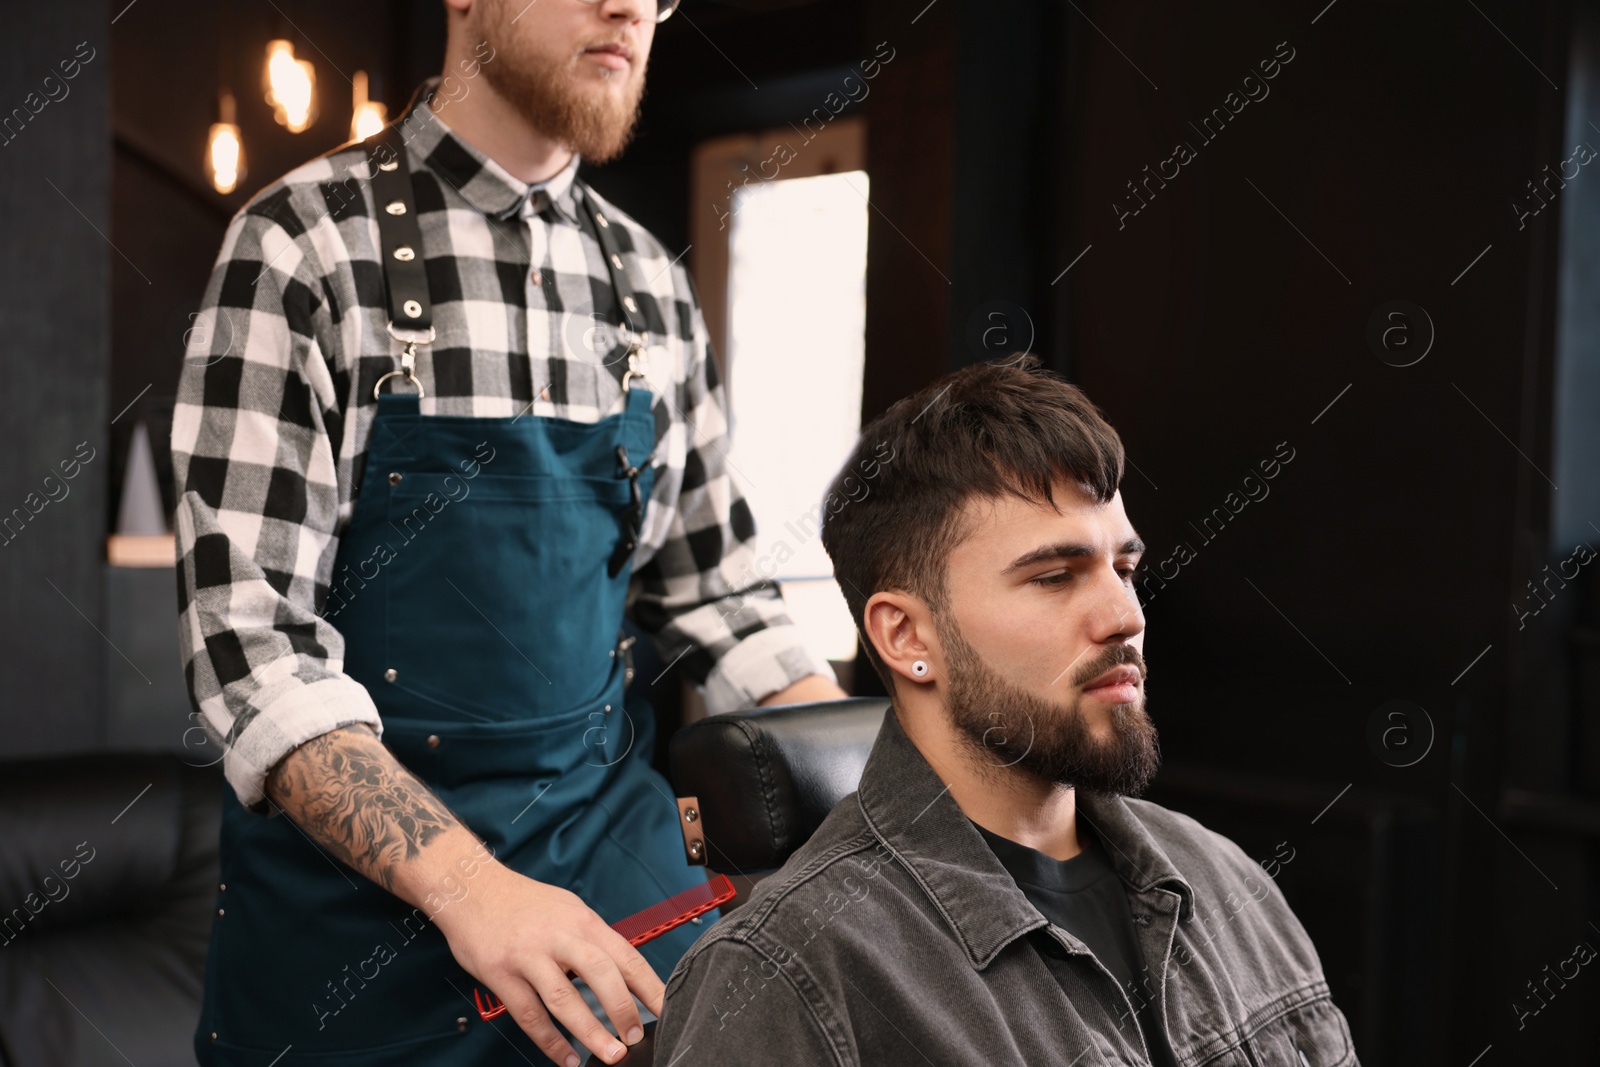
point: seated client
(992, 893)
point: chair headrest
(766, 778)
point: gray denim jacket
(894, 936)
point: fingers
(563, 1001)
(606, 979)
(636, 972)
(524, 1006)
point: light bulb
(225, 148)
(367, 117)
(291, 87)
(223, 156)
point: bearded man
(993, 892)
(454, 418)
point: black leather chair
(763, 781)
(766, 778)
(108, 868)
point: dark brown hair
(892, 515)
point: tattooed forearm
(350, 794)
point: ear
(900, 627)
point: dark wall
(1222, 318)
(56, 261)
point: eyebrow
(1068, 550)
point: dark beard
(597, 128)
(1006, 726)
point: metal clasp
(636, 365)
(408, 359)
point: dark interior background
(1442, 859)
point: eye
(1051, 580)
(1130, 573)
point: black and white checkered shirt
(275, 406)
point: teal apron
(480, 588)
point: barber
(451, 418)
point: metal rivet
(393, 164)
(220, 913)
(461, 1022)
(390, 675)
(628, 303)
(601, 219)
(412, 309)
(616, 261)
(695, 848)
(395, 207)
(536, 278)
(394, 477)
(213, 1035)
(433, 740)
(608, 709)
(222, 887)
(691, 814)
(404, 254)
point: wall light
(290, 86)
(224, 149)
(367, 117)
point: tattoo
(350, 793)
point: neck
(488, 121)
(1003, 800)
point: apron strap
(599, 227)
(399, 236)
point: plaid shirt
(275, 406)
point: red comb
(676, 910)
(642, 926)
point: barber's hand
(524, 938)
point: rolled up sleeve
(258, 505)
(700, 596)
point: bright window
(796, 324)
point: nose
(1115, 612)
(628, 10)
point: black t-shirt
(1085, 897)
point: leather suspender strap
(601, 230)
(399, 236)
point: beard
(1006, 726)
(551, 94)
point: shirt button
(536, 278)
(433, 740)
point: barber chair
(753, 786)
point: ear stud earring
(920, 668)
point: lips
(615, 48)
(1124, 675)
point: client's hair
(892, 515)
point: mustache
(1115, 656)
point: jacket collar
(482, 182)
(911, 811)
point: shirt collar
(482, 182)
(911, 811)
